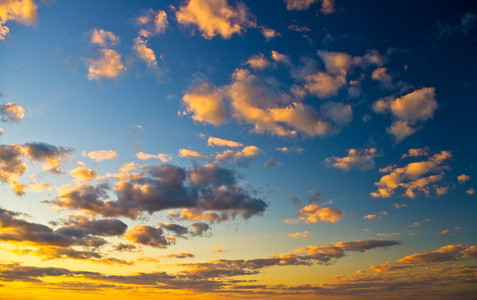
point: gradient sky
(223, 149)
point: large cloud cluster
(203, 188)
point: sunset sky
(223, 149)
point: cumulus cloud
(327, 6)
(257, 62)
(195, 215)
(11, 112)
(190, 153)
(242, 157)
(215, 17)
(204, 188)
(145, 53)
(269, 33)
(417, 152)
(463, 178)
(104, 38)
(108, 65)
(160, 156)
(148, 236)
(84, 174)
(153, 22)
(357, 159)
(279, 57)
(21, 11)
(100, 155)
(313, 213)
(408, 110)
(213, 141)
(449, 253)
(411, 177)
(206, 104)
(303, 234)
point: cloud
(207, 188)
(190, 153)
(291, 149)
(160, 156)
(12, 166)
(180, 255)
(271, 163)
(145, 53)
(375, 216)
(258, 62)
(443, 232)
(109, 65)
(195, 215)
(303, 234)
(411, 177)
(408, 110)
(357, 159)
(154, 22)
(449, 253)
(21, 11)
(470, 191)
(84, 174)
(463, 178)
(215, 17)
(416, 152)
(39, 187)
(280, 58)
(327, 6)
(11, 112)
(206, 104)
(467, 22)
(100, 155)
(148, 236)
(213, 141)
(269, 33)
(314, 213)
(104, 38)
(242, 157)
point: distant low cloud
(215, 17)
(21, 11)
(449, 253)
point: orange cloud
(215, 17)
(12, 112)
(100, 155)
(356, 159)
(21, 11)
(161, 156)
(213, 141)
(109, 65)
(206, 104)
(314, 213)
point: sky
(223, 149)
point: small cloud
(398, 206)
(219, 250)
(388, 234)
(443, 232)
(375, 216)
(190, 153)
(257, 62)
(356, 159)
(100, 155)
(463, 178)
(303, 234)
(470, 191)
(269, 33)
(291, 149)
(272, 163)
(213, 141)
(161, 156)
(11, 112)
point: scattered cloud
(213, 141)
(11, 112)
(463, 178)
(408, 110)
(160, 156)
(269, 33)
(303, 234)
(258, 62)
(84, 174)
(362, 159)
(411, 177)
(271, 163)
(100, 155)
(449, 253)
(190, 153)
(314, 213)
(215, 17)
(327, 6)
(21, 11)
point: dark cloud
(148, 236)
(272, 164)
(176, 228)
(165, 187)
(199, 228)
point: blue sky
(327, 144)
